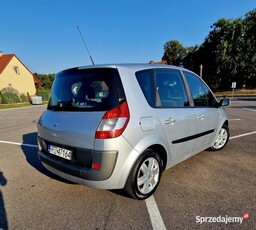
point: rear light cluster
(114, 122)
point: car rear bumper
(106, 159)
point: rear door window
(145, 79)
(84, 90)
(163, 88)
(170, 89)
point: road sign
(233, 86)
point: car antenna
(85, 45)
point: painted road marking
(243, 135)
(35, 146)
(20, 144)
(235, 119)
(253, 110)
(153, 211)
(154, 214)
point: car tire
(222, 139)
(145, 175)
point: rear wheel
(222, 138)
(144, 176)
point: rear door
(178, 119)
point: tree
(227, 40)
(46, 79)
(249, 48)
(188, 60)
(174, 52)
(227, 54)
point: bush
(9, 98)
(9, 95)
(23, 97)
(44, 94)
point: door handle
(170, 121)
(201, 117)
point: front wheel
(222, 138)
(144, 176)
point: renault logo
(54, 134)
(55, 123)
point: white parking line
(253, 110)
(235, 119)
(243, 135)
(154, 214)
(17, 143)
(153, 211)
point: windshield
(84, 90)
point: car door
(178, 119)
(207, 113)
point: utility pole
(201, 70)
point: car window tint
(170, 89)
(145, 79)
(201, 94)
(79, 90)
(209, 96)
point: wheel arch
(225, 123)
(161, 151)
(159, 145)
(154, 142)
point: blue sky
(43, 33)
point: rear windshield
(84, 90)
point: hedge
(44, 93)
(9, 98)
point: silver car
(120, 126)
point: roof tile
(4, 61)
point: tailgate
(76, 129)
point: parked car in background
(120, 126)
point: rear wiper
(62, 106)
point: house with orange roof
(13, 73)
(163, 62)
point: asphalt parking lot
(210, 184)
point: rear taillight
(113, 122)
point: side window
(201, 94)
(170, 89)
(16, 70)
(209, 96)
(145, 79)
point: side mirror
(224, 102)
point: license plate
(57, 151)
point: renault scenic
(120, 126)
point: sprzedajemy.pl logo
(222, 219)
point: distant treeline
(228, 53)
(46, 79)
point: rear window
(85, 90)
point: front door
(207, 113)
